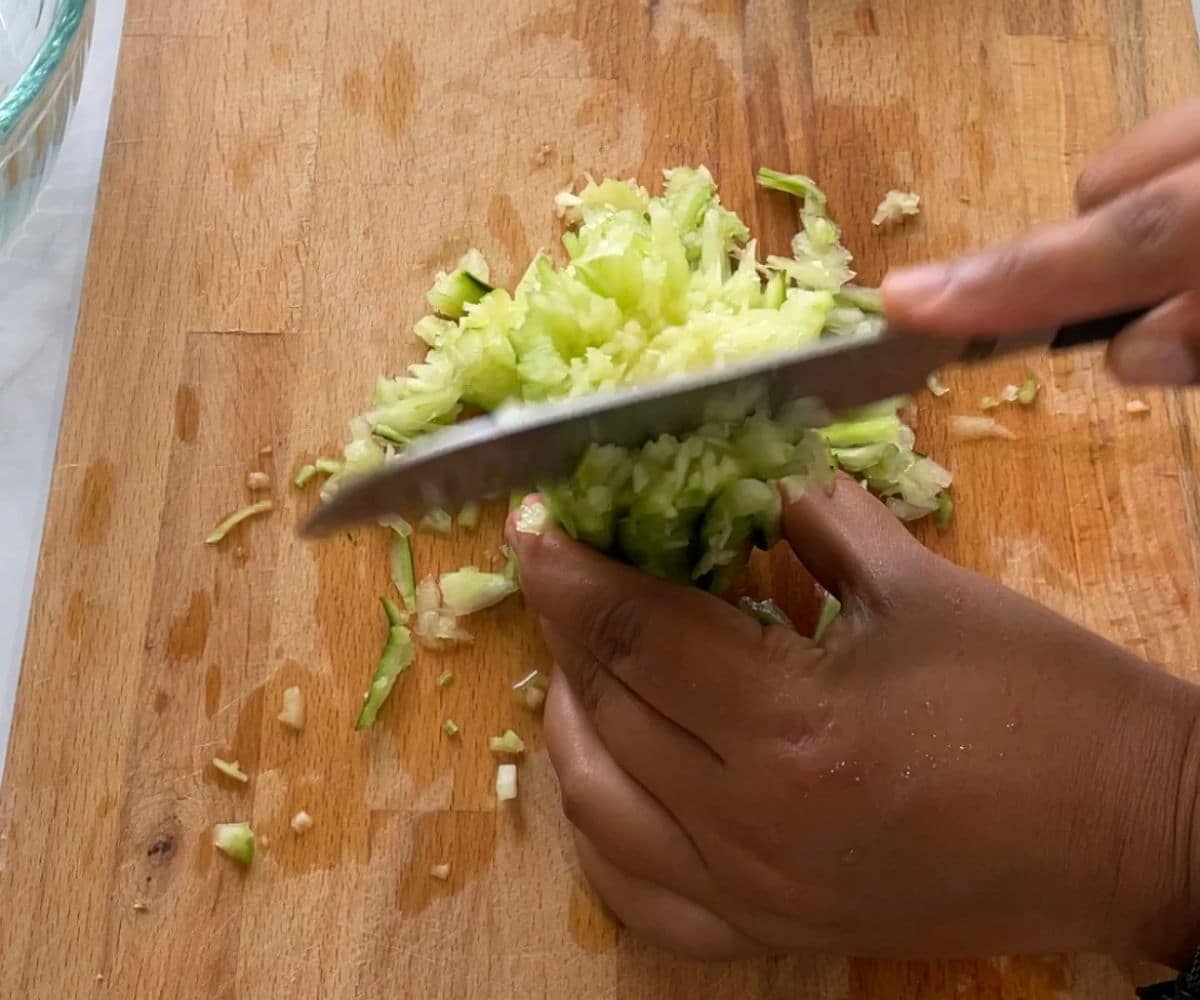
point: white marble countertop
(41, 272)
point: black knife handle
(1091, 330)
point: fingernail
(918, 283)
(1144, 360)
(513, 530)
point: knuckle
(888, 581)
(614, 629)
(1004, 267)
(781, 648)
(1089, 187)
(1147, 224)
(592, 683)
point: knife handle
(1089, 331)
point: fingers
(659, 915)
(1136, 250)
(850, 542)
(611, 809)
(1162, 348)
(675, 646)
(668, 760)
(1153, 147)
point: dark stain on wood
(161, 701)
(1033, 978)
(95, 504)
(437, 837)
(161, 849)
(390, 96)
(212, 689)
(247, 742)
(355, 86)
(397, 89)
(187, 413)
(504, 223)
(589, 923)
(864, 20)
(188, 633)
(76, 610)
(248, 153)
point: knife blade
(516, 448)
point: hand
(1134, 244)
(954, 771)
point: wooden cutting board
(282, 178)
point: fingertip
(1155, 361)
(528, 523)
(847, 539)
(1162, 348)
(909, 292)
(561, 576)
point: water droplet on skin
(907, 772)
(1011, 725)
(849, 857)
(858, 779)
(1002, 755)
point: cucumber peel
(396, 657)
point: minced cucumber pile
(654, 287)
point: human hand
(954, 771)
(1134, 244)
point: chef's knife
(517, 448)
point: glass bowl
(42, 48)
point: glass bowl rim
(26, 89)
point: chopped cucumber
(468, 590)
(653, 286)
(236, 840)
(465, 285)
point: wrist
(1159, 861)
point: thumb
(850, 542)
(609, 608)
(1163, 347)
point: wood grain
(281, 179)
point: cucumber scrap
(466, 284)
(236, 840)
(468, 590)
(396, 657)
(895, 206)
(236, 518)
